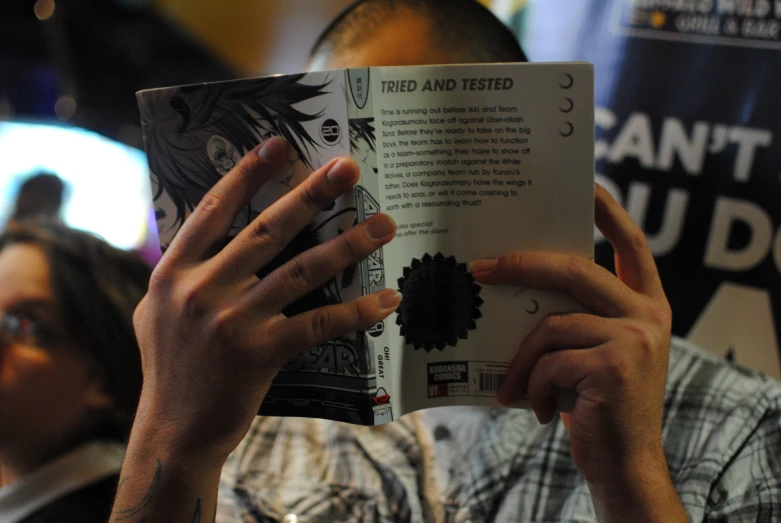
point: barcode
(490, 382)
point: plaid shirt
(722, 438)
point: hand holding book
(614, 358)
(212, 334)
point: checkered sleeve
(749, 489)
(722, 436)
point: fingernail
(503, 396)
(380, 227)
(341, 172)
(389, 298)
(273, 148)
(500, 397)
(486, 265)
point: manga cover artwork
(195, 134)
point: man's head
(414, 32)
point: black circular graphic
(440, 302)
(330, 131)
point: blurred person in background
(70, 371)
(40, 198)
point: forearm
(648, 497)
(159, 483)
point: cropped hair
(464, 27)
(96, 288)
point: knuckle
(321, 324)
(364, 313)
(195, 299)
(310, 195)
(661, 315)
(551, 322)
(637, 241)
(645, 341)
(348, 246)
(264, 231)
(514, 259)
(620, 369)
(138, 315)
(210, 204)
(224, 324)
(547, 360)
(160, 279)
(298, 274)
(578, 268)
(248, 165)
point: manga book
(471, 161)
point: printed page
(195, 134)
(476, 161)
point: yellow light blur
(44, 9)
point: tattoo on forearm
(147, 499)
(197, 513)
(133, 511)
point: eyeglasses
(18, 327)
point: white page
(466, 174)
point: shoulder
(722, 432)
(708, 387)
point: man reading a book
(660, 430)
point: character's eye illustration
(160, 214)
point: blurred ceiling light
(65, 108)
(44, 9)
(110, 196)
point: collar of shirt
(65, 474)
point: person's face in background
(49, 391)
(404, 39)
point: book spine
(363, 147)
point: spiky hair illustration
(178, 125)
(193, 133)
(361, 129)
(440, 302)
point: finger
(554, 333)
(634, 261)
(206, 227)
(592, 286)
(559, 374)
(263, 239)
(544, 409)
(310, 269)
(292, 335)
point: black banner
(689, 141)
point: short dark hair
(96, 288)
(465, 27)
(40, 197)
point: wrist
(173, 438)
(641, 491)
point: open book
(471, 161)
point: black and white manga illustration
(196, 134)
(469, 163)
